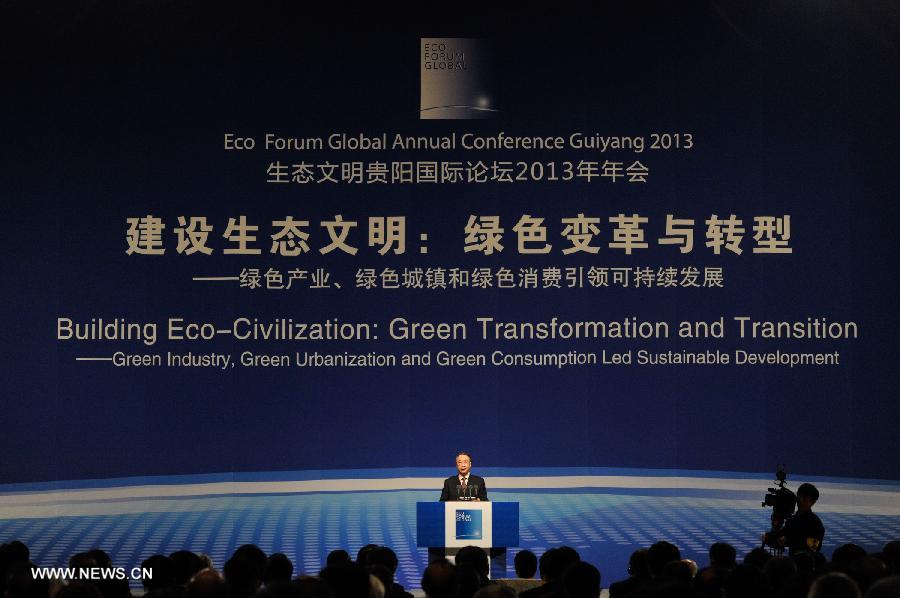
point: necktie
(464, 484)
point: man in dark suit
(464, 484)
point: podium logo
(457, 75)
(468, 524)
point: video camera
(783, 502)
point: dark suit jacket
(475, 488)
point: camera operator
(802, 531)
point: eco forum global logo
(457, 76)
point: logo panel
(457, 78)
(468, 524)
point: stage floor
(605, 524)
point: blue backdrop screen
(772, 116)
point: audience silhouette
(657, 571)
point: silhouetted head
(659, 555)
(866, 570)
(82, 560)
(15, 552)
(468, 581)
(243, 575)
(834, 585)
(525, 564)
(891, 555)
(162, 570)
(581, 580)
(638, 564)
(807, 495)
(887, 587)
(476, 558)
(11, 554)
(439, 580)
(336, 557)
(21, 582)
(758, 557)
(779, 571)
(207, 583)
(100, 557)
(384, 557)
(347, 580)
(845, 554)
(805, 561)
(553, 562)
(363, 553)
(254, 554)
(187, 564)
(722, 554)
(708, 582)
(278, 568)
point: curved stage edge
(604, 513)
